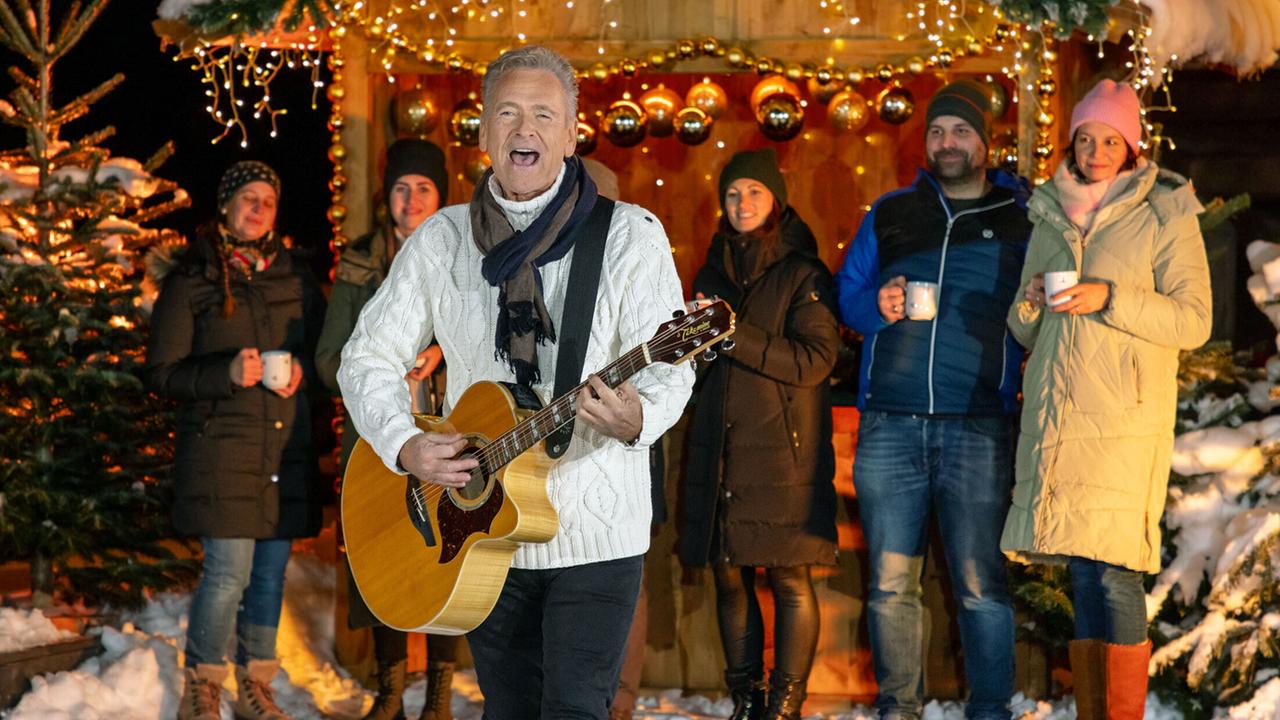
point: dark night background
(164, 100)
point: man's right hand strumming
(430, 457)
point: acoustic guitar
(433, 559)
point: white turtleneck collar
(522, 213)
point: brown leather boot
(202, 696)
(439, 692)
(1088, 677)
(1127, 680)
(256, 701)
(389, 703)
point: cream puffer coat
(1100, 390)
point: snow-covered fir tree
(85, 446)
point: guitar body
(430, 559)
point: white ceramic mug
(277, 369)
(1056, 282)
(922, 300)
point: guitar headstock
(680, 339)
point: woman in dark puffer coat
(758, 488)
(245, 467)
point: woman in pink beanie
(1100, 387)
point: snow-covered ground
(137, 677)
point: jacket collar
(1004, 186)
(1046, 203)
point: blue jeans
(1110, 602)
(552, 646)
(241, 583)
(961, 469)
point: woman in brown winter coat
(1100, 387)
(245, 467)
(758, 490)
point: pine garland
(250, 17)
(1067, 16)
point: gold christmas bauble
(895, 105)
(764, 66)
(855, 75)
(823, 92)
(475, 165)
(884, 72)
(916, 65)
(692, 126)
(1046, 87)
(657, 59)
(600, 72)
(1004, 151)
(780, 117)
(464, 123)
(686, 48)
(709, 46)
(337, 152)
(628, 67)
(337, 213)
(661, 105)
(624, 123)
(338, 181)
(736, 57)
(335, 92)
(848, 111)
(772, 85)
(456, 63)
(822, 75)
(416, 112)
(945, 58)
(1044, 151)
(586, 138)
(999, 99)
(794, 72)
(708, 97)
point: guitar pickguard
(458, 524)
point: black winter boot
(748, 693)
(786, 696)
(389, 703)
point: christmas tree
(1216, 604)
(85, 446)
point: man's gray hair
(533, 57)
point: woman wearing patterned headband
(245, 468)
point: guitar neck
(558, 413)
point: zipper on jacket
(871, 362)
(942, 268)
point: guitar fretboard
(556, 414)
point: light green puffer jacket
(1100, 390)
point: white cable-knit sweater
(600, 487)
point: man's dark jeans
(552, 647)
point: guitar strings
(524, 433)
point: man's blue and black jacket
(963, 362)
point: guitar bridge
(419, 515)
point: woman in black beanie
(758, 489)
(414, 185)
(246, 480)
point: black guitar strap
(579, 307)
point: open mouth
(524, 158)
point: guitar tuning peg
(693, 364)
(727, 345)
(708, 354)
(677, 313)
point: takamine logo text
(686, 333)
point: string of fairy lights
(414, 33)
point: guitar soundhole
(476, 486)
